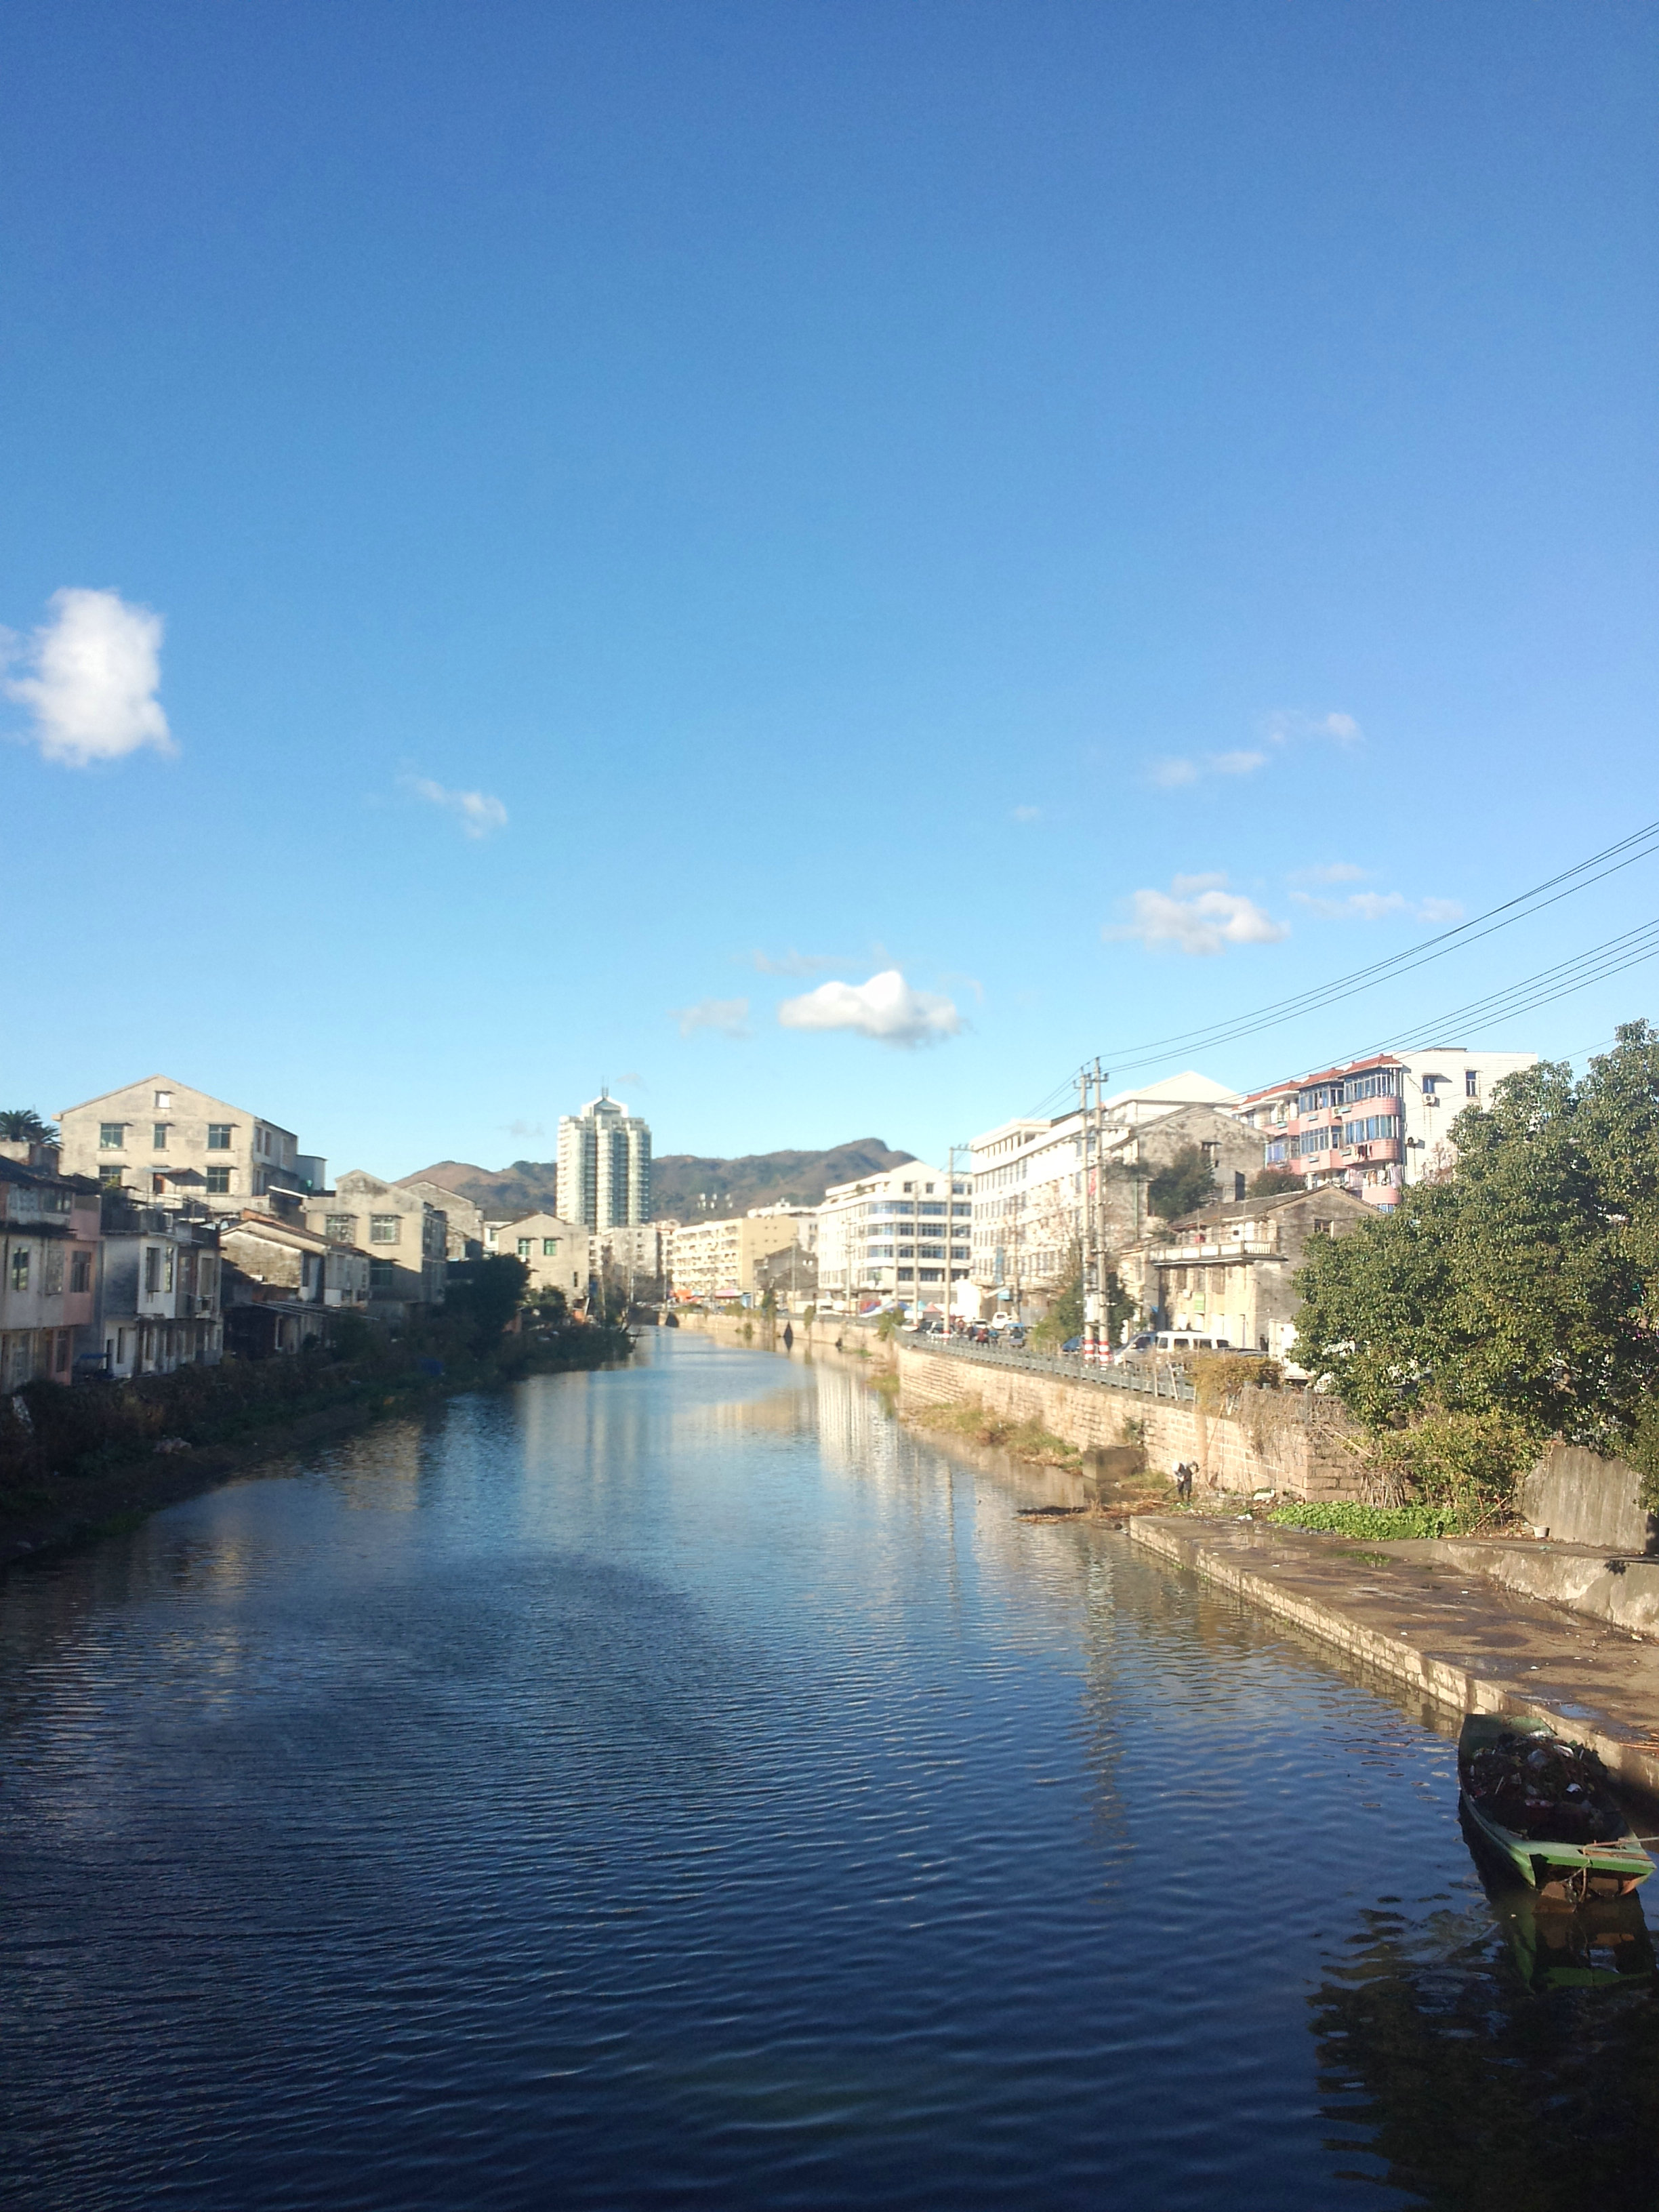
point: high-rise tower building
(604, 1165)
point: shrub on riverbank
(53, 1428)
(1384, 1523)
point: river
(682, 1786)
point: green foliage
(1064, 1319)
(1469, 1461)
(808, 1317)
(1388, 1523)
(1188, 1181)
(769, 1305)
(21, 1125)
(887, 1327)
(485, 1299)
(549, 1306)
(1519, 1284)
(1275, 1182)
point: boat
(1545, 1804)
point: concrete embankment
(1285, 1441)
(1428, 1620)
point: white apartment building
(903, 1236)
(710, 1259)
(604, 1165)
(1028, 1193)
(165, 1143)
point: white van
(1181, 1340)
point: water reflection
(1499, 2057)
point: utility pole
(1097, 1316)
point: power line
(1640, 845)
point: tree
(21, 1125)
(487, 1299)
(1518, 1284)
(1189, 1181)
(1275, 1182)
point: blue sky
(1106, 514)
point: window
(931, 1209)
(340, 1228)
(382, 1274)
(1274, 1151)
(111, 1136)
(163, 1102)
(1471, 1083)
(152, 1267)
(523, 1248)
(81, 1272)
(219, 1136)
(51, 1271)
(1238, 1188)
(159, 1137)
(908, 1188)
(109, 1178)
(20, 1267)
(383, 1228)
(907, 1274)
(550, 1246)
(932, 1275)
(218, 1179)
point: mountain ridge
(684, 1185)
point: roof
(14, 1171)
(1246, 1209)
(171, 1082)
(1187, 1089)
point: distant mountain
(527, 1187)
(684, 1185)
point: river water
(681, 1786)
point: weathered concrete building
(464, 1222)
(1028, 1199)
(718, 1259)
(163, 1142)
(556, 1252)
(404, 1235)
(158, 1304)
(49, 1232)
(1228, 1269)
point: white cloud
(1292, 722)
(1198, 917)
(476, 810)
(1378, 906)
(793, 963)
(1028, 814)
(96, 665)
(885, 1008)
(525, 1128)
(730, 1017)
(1176, 772)
(1336, 872)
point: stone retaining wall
(1291, 1443)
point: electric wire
(1640, 844)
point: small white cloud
(525, 1128)
(1198, 917)
(1183, 885)
(1176, 772)
(1378, 906)
(476, 810)
(1287, 723)
(793, 963)
(729, 1017)
(1028, 814)
(885, 1008)
(1336, 872)
(97, 666)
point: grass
(1027, 1440)
(1385, 1523)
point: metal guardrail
(1154, 1382)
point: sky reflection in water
(682, 1785)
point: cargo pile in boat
(1543, 1788)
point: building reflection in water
(1505, 2055)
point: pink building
(49, 1233)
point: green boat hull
(1618, 1861)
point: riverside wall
(1298, 1446)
